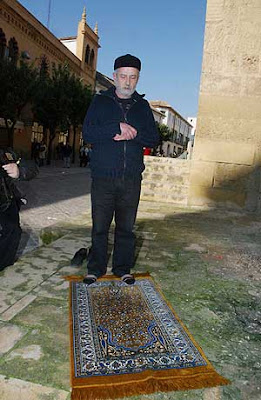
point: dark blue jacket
(112, 158)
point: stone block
(229, 129)
(251, 86)
(166, 179)
(218, 84)
(198, 196)
(250, 42)
(202, 196)
(215, 10)
(232, 107)
(202, 173)
(220, 35)
(212, 64)
(250, 10)
(225, 152)
(232, 177)
(250, 64)
(231, 63)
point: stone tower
(87, 45)
(227, 154)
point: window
(87, 54)
(92, 58)
(13, 50)
(2, 44)
(37, 133)
(63, 137)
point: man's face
(125, 80)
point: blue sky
(166, 35)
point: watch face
(9, 157)
(6, 157)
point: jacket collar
(111, 93)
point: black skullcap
(127, 61)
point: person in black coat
(118, 124)
(11, 169)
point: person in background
(83, 156)
(42, 154)
(147, 151)
(67, 151)
(118, 125)
(35, 151)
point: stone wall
(259, 199)
(227, 152)
(166, 180)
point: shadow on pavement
(55, 184)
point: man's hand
(127, 132)
(12, 170)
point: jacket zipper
(124, 144)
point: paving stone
(212, 394)
(16, 389)
(9, 336)
(32, 352)
(17, 307)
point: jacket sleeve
(27, 171)
(148, 135)
(95, 130)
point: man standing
(118, 124)
(67, 151)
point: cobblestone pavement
(207, 263)
(53, 196)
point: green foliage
(51, 100)
(17, 87)
(80, 97)
(49, 236)
(61, 100)
(164, 132)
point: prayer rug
(127, 340)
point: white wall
(193, 122)
(70, 44)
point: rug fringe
(76, 278)
(111, 392)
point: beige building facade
(21, 33)
(227, 150)
(178, 125)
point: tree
(80, 98)
(52, 101)
(165, 133)
(17, 88)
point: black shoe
(129, 279)
(89, 279)
(79, 257)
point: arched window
(92, 58)
(87, 54)
(13, 50)
(2, 44)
